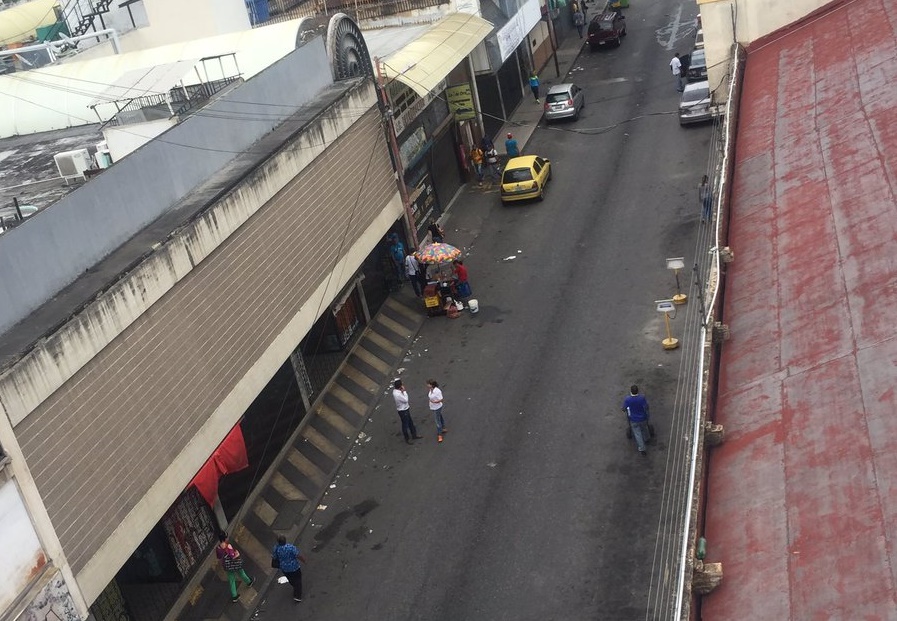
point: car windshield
(697, 58)
(557, 97)
(517, 175)
(693, 95)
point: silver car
(697, 104)
(564, 101)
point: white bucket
(473, 305)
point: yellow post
(669, 342)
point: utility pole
(553, 37)
(390, 127)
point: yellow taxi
(525, 177)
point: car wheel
(576, 115)
(541, 196)
(592, 48)
(617, 42)
(623, 34)
(549, 174)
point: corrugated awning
(156, 80)
(427, 61)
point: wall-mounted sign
(511, 34)
(460, 101)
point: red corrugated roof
(802, 497)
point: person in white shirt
(676, 66)
(412, 269)
(400, 395)
(434, 394)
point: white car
(697, 104)
(699, 39)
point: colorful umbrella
(434, 254)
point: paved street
(535, 506)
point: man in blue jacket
(636, 408)
(288, 556)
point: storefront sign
(516, 30)
(460, 101)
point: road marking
(672, 29)
(613, 80)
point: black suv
(608, 27)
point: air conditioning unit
(72, 164)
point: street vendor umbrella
(435, 254)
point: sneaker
(251, 582)
(407, 440)
(297, 599)
(644, 453)
(444, 430)
(417, 437)
(235, 599)
(439, 438)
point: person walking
(534, 85)
(232, 562)
(412, 270)
(434, 394)
(636, 408)
(676, 67)
(705, 195)
(579, 20)
(286, 557)
(476, 157)
(491, 157)
(511, 147)
(400, 396)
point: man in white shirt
(400, 396)
(676, 66)
(412, 269)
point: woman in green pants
(232, 561)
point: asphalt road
(536, 506)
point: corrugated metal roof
(57, 97)
(425, 62)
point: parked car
(524, 178)
(699, 38)
(697, 104)
(564, 101)
(696, 66)
(606, 27)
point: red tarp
(230, 456)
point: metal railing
(285, 10)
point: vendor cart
(437, 292)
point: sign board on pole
(460, 101)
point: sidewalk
(526, 117)
(284, 503)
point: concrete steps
(309, 463)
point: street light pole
(399, 168)
(554, 40)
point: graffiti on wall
(53, 603)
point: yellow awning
(20, 22)
(427, 61)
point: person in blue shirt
(511, 147)
(534, 85)
(288, 557)
(636, 408)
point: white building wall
(173, 21)
(744, 21)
